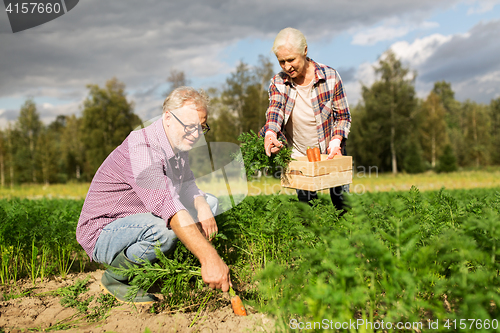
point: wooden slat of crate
(317, 183)
(316, 176)
(323, 167)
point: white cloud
(365, 75)
(48, 112)
(481, 6)
(374, 35)
(468, 61)
(139, 45)
(390, 30)
(420, 50)
(490, 77)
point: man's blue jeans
(139, 234)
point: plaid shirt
(329, 102)
(142, 175)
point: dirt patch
(43, 312)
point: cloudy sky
(140, 42)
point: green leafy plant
(179, 277)
(254, 157)
(73, 296)
(399, 257)
(396, 256)
(70, 295)
(38, 266)
(105, 303)
(64, 260)
(37, 237)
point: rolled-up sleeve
(276, 109)
(340, 107)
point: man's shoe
(117, 285)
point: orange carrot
(317, 154)
(238, 307)
(237, 304)
(310, 154)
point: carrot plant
(64, 259)
(38, 265)
(37, 237)
(178, 276)
(397, 257)
(254, 157)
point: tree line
(396, 131)
(392, 129)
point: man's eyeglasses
(190, 129)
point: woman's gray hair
(292, 37)
(182, 95)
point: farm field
(363, 181)
(424, 259)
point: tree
(454, 117)
(495, 130)
(245, 95)
(3, 154)
(476, 134)
(389, 107)
(10, 133)
(366, 152)
(236, 92)
(176, 79)
(47, 155)
(413, 160)
(263, 74)
(447, 161)
(447, 98)
(29, 127)
(73, 148)
(50, 158)
(222, 121)
(107, 119)
(433, 128)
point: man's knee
(213, 202)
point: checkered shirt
(329, 102)
(142, 175)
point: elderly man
(143, 193)
(308, 107)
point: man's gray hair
(292, 37)
(182, 95)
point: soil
(42, 313)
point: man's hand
(215, 273)
(271, 143)
(213, 270)
(208, 225)
(334, 148)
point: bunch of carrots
(313, 154)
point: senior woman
(307, 106)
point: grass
(53, 191)
(372, 181)
(429, 181)
(363, 181)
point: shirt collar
(162, 137)
(318, 74)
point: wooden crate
(316, 176)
